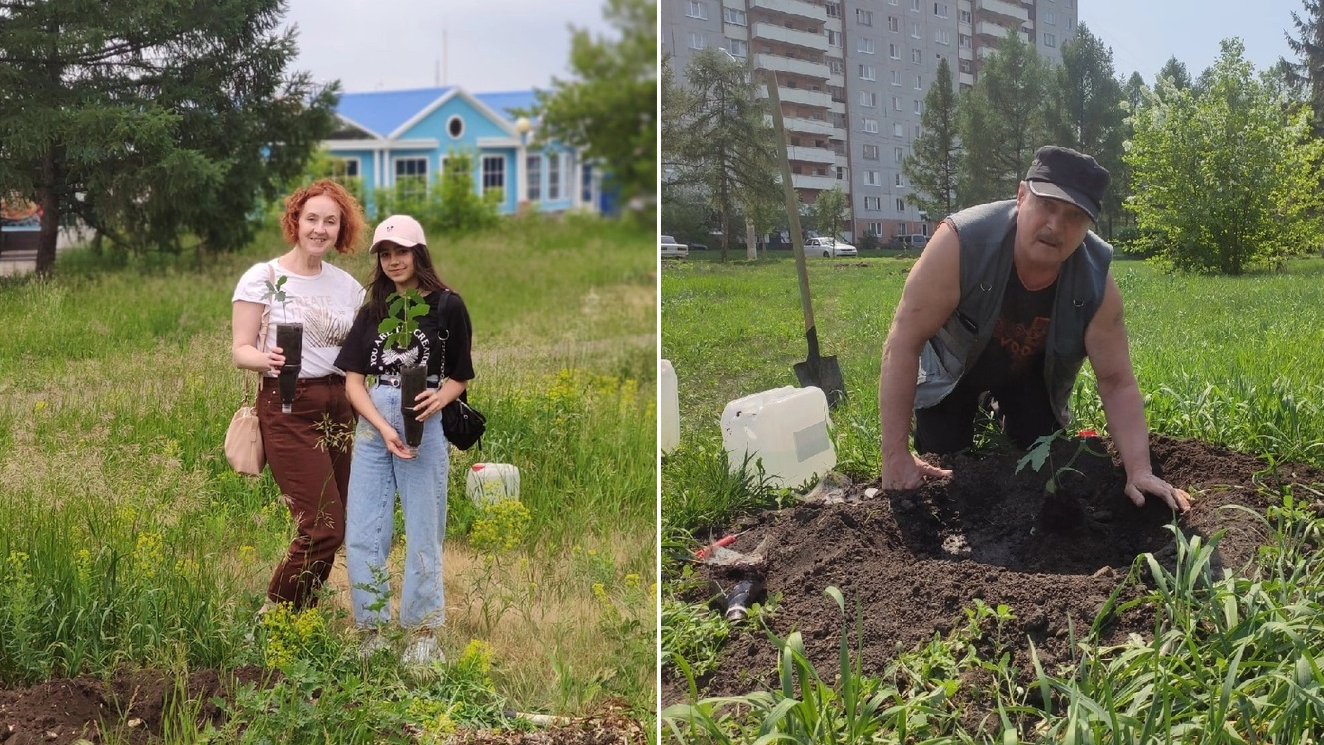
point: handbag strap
(261, 334)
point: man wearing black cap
(1006, 303)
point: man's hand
(1147, 483)
(908, 472)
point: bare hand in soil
(909, 472)
(1176, 499)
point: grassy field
(1232, 361)
(125, 540)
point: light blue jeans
(374, 479)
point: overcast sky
(491, 45)
(1143, 34)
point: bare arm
(929, 298)
(356, 390)
(1106, 345)
(245, 325)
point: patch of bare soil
(914, 560)
(135, 708)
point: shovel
(817, 370)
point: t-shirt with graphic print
(443, 335)
(1020, 335)
(324, 303)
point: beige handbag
(243, 439)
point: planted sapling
(403, 311)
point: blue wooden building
(401, 139)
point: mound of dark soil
(914, 560)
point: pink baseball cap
(401, 230)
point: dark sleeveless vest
(985, 268)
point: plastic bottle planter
(413, 380)
(289, 337)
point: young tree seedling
(404, 310)
(1042, 451)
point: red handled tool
(711, 548)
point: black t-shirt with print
(446, 326)
(1020, 335)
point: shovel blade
(824, 373)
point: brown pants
(308, 451)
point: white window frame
(735, 16)
(697, 9)
(533, 177)
(834, 38)
(554, 170)
(898, 129)
(919, 82)
(1050, 40)
(919, 106)
(900, 206)
(894, 51)
(423, 177)
(940, 10)
(896, 77)
(869, 125)
(899, 154)
(894, 24)
(868, 148)
(864, 45)
(698, 42)
(1050, 18)
(916, 56)
(868, 98)
(896, 103)
(867, 72)
(498, 172)
(871, 178)
(967, 17)
(341, 167)
(914, 31)
(942, 36)
(873, 203)
(864, 17)
(737, 47)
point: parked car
(671, 249)
(918, 240)
(828, 247)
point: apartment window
(870, 125)
(841, 172)
(697, 9)
(1071, 24)
(494, 172)
(1050, 40)
(963, 41)
(833, 10)
(896, 103)
(898, 154)
(917, 131)
(1050, 18)
(871, 179)
(866, 72)
(893, 51)
(871, 152)
(893, 2)
(554, 176)
(940, 10)
(868, 98)
(533, 175)
(735, 17)
(896, 77)
(697, 41)
(411, 178)
(914, 30)
(834, 38)
(919, 82)
(965, 17)
(966, 66)
(837, 119)
(919, 106)
(864, 45)
(873, 203)
(837, 93)
(737, 47)
(864, 17)
(893, 25)
(916, 56)
(942, 36)
(836, 67)
(914, 6)
(898, 130)
(900, 206)
(873, 228)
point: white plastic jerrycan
(786, 428)
(489, 483)
(668, 408)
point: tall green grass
(125, 539)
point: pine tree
(933, 168)
(152, 119)
(1308, 72)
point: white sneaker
(423, 651)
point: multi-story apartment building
(852, 76)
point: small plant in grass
(692, 632)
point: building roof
(383, 112)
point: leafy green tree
(829, 209)
(933, 168)
(1002, 121)
(721, 142)
(1307, 73)
(455, 205)
(1226, 178)
(1088, 113)
(151, 119)
(608, 111)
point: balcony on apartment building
(994, 31)
(807, 126)
(792, 8)
(803, 154)
(817, 99)
(1004, 9)
(791, 36)
(813, 183)
(816, 70)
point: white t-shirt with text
(324, 303)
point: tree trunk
(751, 248)
(50, 216)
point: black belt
(323, 380)
(393, 381)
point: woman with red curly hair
(307, 448)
